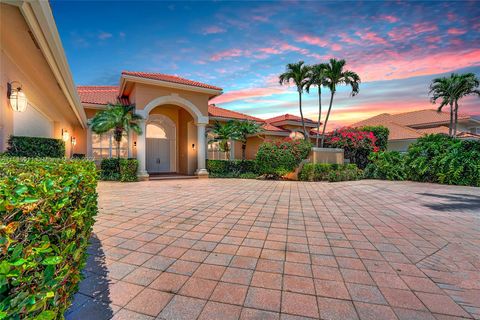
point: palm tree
(336, 75)
(317, 78)
(298, 73)
(119, 118)
(441, 88)
(464, 85)
(223, 133)
(244, 129)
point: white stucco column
(201, 150)
(141, 153)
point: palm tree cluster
(119, 118)
(450, 90)
(328, 75)
(234, 130)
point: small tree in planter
(223, 133)
(119, 118)
(242, 130)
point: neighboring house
(177, 114)
(405, 128)
(32, 58)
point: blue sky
(395, 47)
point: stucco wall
(399, 145)
(22, 61)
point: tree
(464, 85)
(335, 75)
(242, 130)
(223, 133)
(442, 88)
(297, 73)
(317, 78)
(119, 118)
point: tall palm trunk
(326, 119)
(456, 119)
(118, 138)
(305, 133)
(450, 128)
(244, 150)
(319, 114)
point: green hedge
(433, 158)
(329, 172)
(110, 169)
(47, 210)
(128, 170)
(35, 147)
(231, 168)
(278, 158)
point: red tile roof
(100, 94)
(288, 117)
(214, 111)
(169, 78)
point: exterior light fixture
(135, 143)
(17, 98)
(193, 146)
(74, 141)
(65, 135)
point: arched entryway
(160, 144)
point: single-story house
(405, 128)
(37, 93)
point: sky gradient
(397, 48)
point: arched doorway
(160, 144)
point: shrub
(230, 168)
(110, 169)
(442, 159)
(329, 172)
(128, 170)
(388, 165)
(47, 210)
(35, 147)
(78, 156)
(276, 159)
(381, 134)
(356, 143)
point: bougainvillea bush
(357, 144)
(47, 209)
(277, 158)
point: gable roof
(288, 117)
(217, 112)
(98, 94)
(169, 78)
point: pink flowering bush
(277, 158)
(358, 144)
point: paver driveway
(248, 249)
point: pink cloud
(336, 47)
(287, 47)
(433, 39)
(213, 30)
(424, 27)
(270, 50)
(403, 33)
(456, 31)
(315, 41)
(347, 39)
(389, 18)
(372, 37)
(248, 93)
(227, 54)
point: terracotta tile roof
(214, 111)
(288, 117)
(100, 95)
(440, 129)
(169, 78)
(270, 127)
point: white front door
(158, 155)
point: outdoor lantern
(74, 141)
(18, 100)
(193, 146)
(65, 135)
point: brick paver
(249, 249)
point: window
(296, 135)
(154, 131)
(105, 146)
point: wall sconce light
(65, 135)
(17, 98)
(135, 144)
(74, 141)
(193, 146)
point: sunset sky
(395, 47)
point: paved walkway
(248, 249)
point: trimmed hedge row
(329, 172)
(434, 158)
(35, 147)
(47, 209)
(231, 168)
(114, 169)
